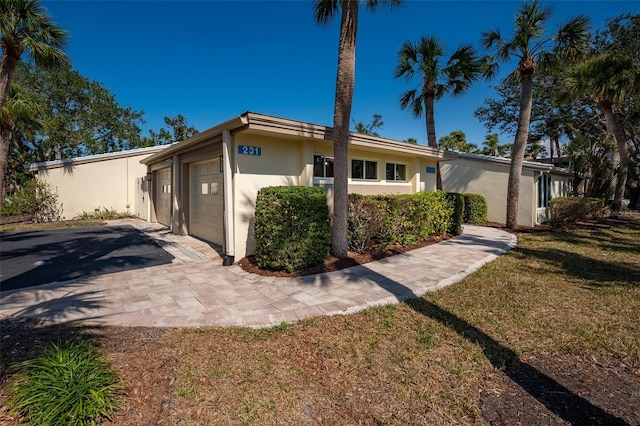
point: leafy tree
(25, 28)
(324, 11)
(533, 48)
(179, 130)
(412, 141)
(437, 75)
(457, 140)
(610, 79)
(81, 116)
(370, 128)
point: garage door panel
(162, 199)
(206, 202)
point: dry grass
(14, 227)
(424, 361)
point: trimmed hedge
(292, 227)
(569, 210)
(457, 200)
(475, 209)
(376, 221)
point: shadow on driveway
(34, 258)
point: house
(489, 176)
(115, 181)
(206, 186)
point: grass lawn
(546, 334)
(14, 227)
(556, 300)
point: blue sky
(213, 60)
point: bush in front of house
(103, 214)
(35, 198)
(292, 227)
(569, 210)
(457, 217)
(475, 209)
(375, 221)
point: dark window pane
(401, 172)
(372, 170)
(328, 167)
(318, 166)
(357, 169)
(390, 170)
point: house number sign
(249, 150)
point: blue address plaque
(431, 170)
(249, 150)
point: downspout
(227, 176)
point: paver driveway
(196, 290)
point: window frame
(364, 170)
(324, 166)
(395, 170)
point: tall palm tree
(25, 27)
(610, 79)
(324, 11)
(533, 49)
(438, 76)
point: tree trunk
(7, 70)
(5, 144)
(345, 81)
(519, 146)
(621, 157)
(429, 101)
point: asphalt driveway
(32, 258)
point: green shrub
(376, 221)
(66, 385)
(35, 198)
(292, 227)
(103, 214)
(475, 209)
(569, 210)
(457, 204)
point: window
(544, 191)
(362, 169)
(322, 166)
(396, 171)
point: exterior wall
(112, 183)
(289, 161)
(278, 165)
(490, 180)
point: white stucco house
(489, 176)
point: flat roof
(507, 162)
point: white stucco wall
(102, 181)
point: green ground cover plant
(104, 213)
(66, 385)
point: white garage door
(206, 202)
(162, 199)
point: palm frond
(325, 10)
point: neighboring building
(115, 181)
(206, 186)
(489, 176)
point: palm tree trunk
(519, 147)
(621, 158)
(429, 101)
(7, 70)
(5, 144)
(345, 81)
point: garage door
(206, 202)
(162, 200)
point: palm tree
(437, 77)
(534, 49)
(491, 145)
(25, 27)
(20, 110)
(324, 11)
(610, 79)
